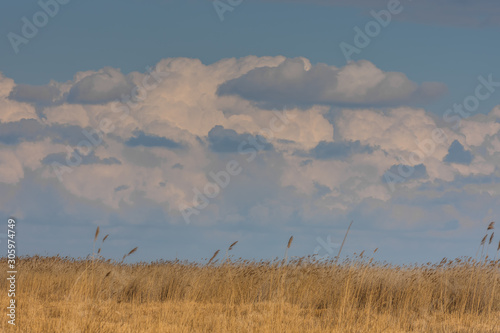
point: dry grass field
(58, 294)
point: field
(58, 294)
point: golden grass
(66, 295)
(56, 294)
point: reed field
(224, 294)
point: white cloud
(67, 114)
(184, 106)
(11, 169)
(11, 110)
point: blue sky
(212, 94)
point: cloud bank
(357, 84)
(115, 144)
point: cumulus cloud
(331, 150)
(145, 140)
(12, 110)
(47, 94)
(480, 128)
(31, 130)
(356, 84)
(317, 163)
(86, 88)
(22, 130)
(11, 168)
(419, 171)
(86, 159)
(103, 86)
(229, 141)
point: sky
(183, 126)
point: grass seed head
(131, 251)
(96, 234)
(215, 255)
(231, 246)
